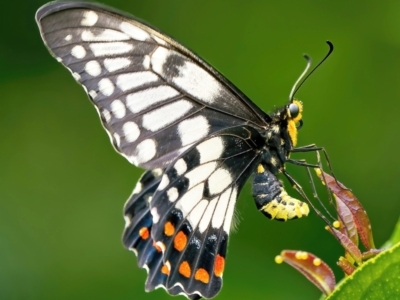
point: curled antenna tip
(303, 77)
(307, 58)
(330, 44)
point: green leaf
(395, 238)
(378, 278)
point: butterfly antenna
(294, 88)
(297, 86)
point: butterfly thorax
(268, 191)
(281, 136)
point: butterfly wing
(155, 98)
(163, 107)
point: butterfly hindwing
(137, 234)
(138, 226)
(155, 98)
(194, 204)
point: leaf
(378, 278)
(347, 244)
(359, 214)
(349, 227)
(395, 237)
(346, 266)
(312, 267)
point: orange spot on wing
(180, 241)
(219, 265)
(184, 269)
(144, 233)
(202, 275)
(165, 270)
(169, 229)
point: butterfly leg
(300, 190)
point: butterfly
(197, 136)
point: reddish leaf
(348, 199)
(347, 244)
(371, 253)
(346, 266)
(313, 268)
(349, 227)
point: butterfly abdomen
(272, 199)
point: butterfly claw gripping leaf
(198, 136)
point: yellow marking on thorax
(260, 169)
(292, 129)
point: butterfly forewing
(154, 96)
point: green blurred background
(62, 187)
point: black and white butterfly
(196, 134)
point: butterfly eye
(294, 110)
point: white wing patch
(106, 87)
(134, 32)
(220, 210)
(155, 215)
(116, 64)
(197, 213)
(89, 18)
(208, 214)
(197, 82)
(193, 79)
(230, 211)
(133, 80)
(200, 173)
(165, 115)
(193, 129)
(159, 58)
(180, 166)
(109, 49)
(216, 145)
(131, 131)
(173, 194)
(146, 62)
(219, 180)
(159, 41)
(141, 100)
(190, 199)
(164, 182)
(145, 150)
(104, 36)
(78, 52)
(118, 109)
(93, 68)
